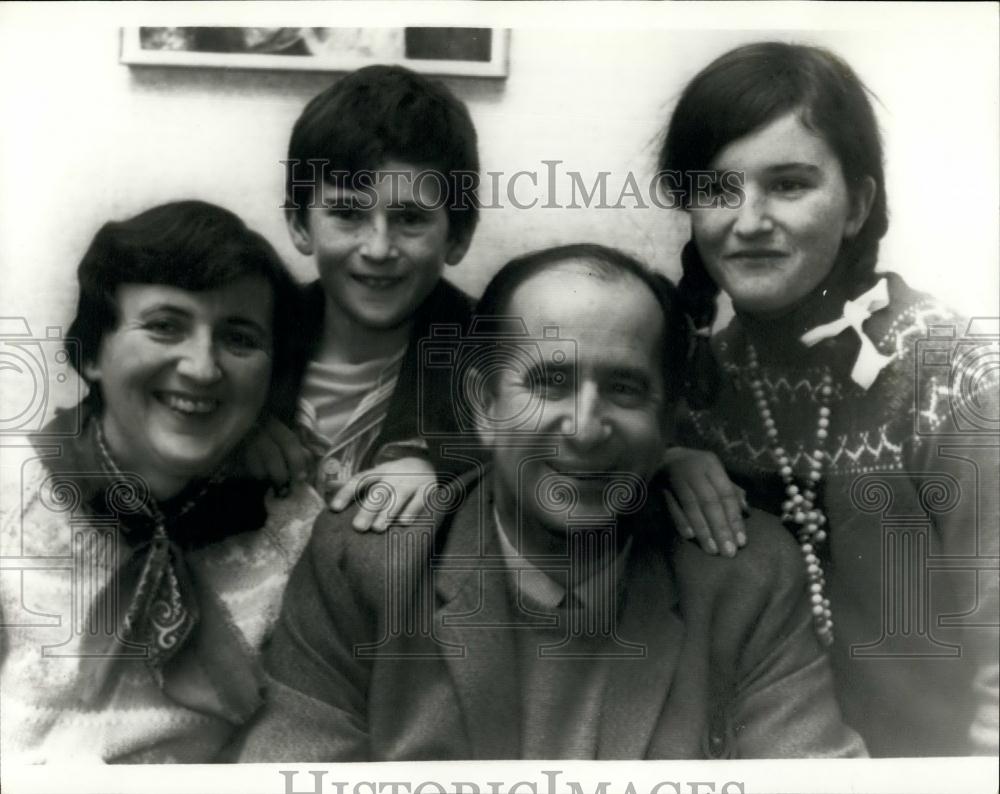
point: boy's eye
(240, 341)
(411, 218)
(344, 211)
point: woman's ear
(91, 371)
(298, 230)
(862, 199)
(458, 247)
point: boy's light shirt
(340, 446)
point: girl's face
(782, 240)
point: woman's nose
(753, 217)
(199, 361)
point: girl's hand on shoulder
(390, 493)
(703, 502)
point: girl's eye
(789, 185)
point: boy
(380, 180)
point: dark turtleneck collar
(778, 337)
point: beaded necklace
(800, 511)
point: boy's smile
(380, 249)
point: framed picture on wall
(469, 52)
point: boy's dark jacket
(422, 405)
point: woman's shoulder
(910, 317)
(249, 571)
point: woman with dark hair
(164, 568)
(811, 398)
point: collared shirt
(563, 667)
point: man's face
(602, 416)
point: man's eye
(548, 382)
(627, 392)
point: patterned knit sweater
(910, 493)
(56, 553)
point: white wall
(85, 139)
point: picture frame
(440, 51)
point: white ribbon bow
(869, 362)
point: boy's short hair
(381, 113)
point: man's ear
(457, 247)
(298, 230)
(862, 199)
(480, 402)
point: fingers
(731, 499)
(348, 492)
(297, 458)
(265, 461)
(678, 516)
(694, 520)
(384, 501)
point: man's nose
(199, 360)
(592, 427)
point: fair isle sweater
(910, 494)
(57, 553)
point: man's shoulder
(368, 560)
(769, 564)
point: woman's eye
(163, 327)
(789, 185)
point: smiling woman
(818, 401)
(185, 324)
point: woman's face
(183, 377)
(781, 242)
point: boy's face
(380, 243)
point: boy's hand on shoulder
(274, 453)
(393, 492)
(703, 502)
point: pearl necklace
(799, 510)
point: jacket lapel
(637, 689)
(470, 579)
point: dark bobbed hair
(746, 89)
(191, 245)
(609, 264)
(380, 113)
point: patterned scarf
(162, 610)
